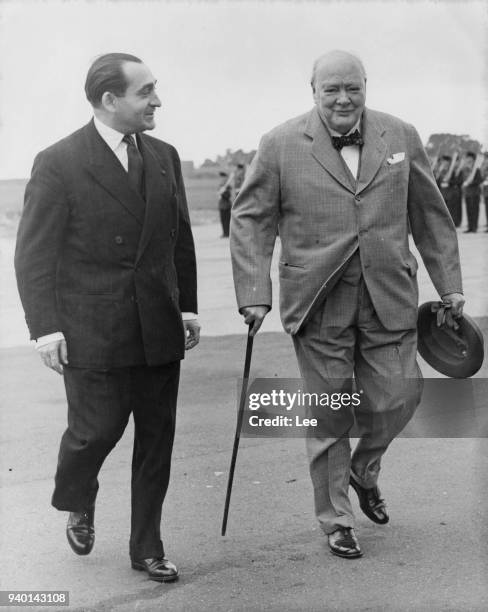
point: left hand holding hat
(453, 309)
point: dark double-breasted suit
(112, 270)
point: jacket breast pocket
(395, 171)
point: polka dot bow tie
(345, 141)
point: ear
(314, 92)
(109, 102)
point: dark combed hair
(471, 154)
(106, 74)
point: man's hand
(192, 333)
(55, 355)
(254, 316)
(454, 303)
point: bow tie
(346, 141)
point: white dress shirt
(350, 154)
(113, 138)
(114, 141)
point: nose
(155, 101)
(343, 97)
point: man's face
(134, 111)
(340, 93)
(469, 162)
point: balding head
(339, 89)
(337, 59)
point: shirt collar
(112, 137)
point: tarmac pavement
(431, 556)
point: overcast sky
(229, 71)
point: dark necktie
(346, 141)
(135, 164)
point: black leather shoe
(80, 531)
(343, 543)
(159, 569)
(371, 503)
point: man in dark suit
(225, 202)
(449, 182)
(106, 272)
(484, 185)
(471, 187)
(340, 185)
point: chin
(344, 126)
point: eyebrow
(335, 84)
(147, 87)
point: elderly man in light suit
(341, 184)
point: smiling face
(339, 91)
(134, 111)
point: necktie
(136, 164)
(345, 141)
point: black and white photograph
(244, 305)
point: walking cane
(240, 415)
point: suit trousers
(485, 198)
(342, 339)
(225, 221)
(472, 200)
(453, 199)
(99, 405)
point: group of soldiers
(463, 175)
(458, 176)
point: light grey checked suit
(346, 239)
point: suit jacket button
(357, 198)
(118, 240)
(172, 233)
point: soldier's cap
(454, 353)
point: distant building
(208, 163)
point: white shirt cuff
(188, 316)
(43, 340)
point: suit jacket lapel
(109, 173)
(324, 152)
(157, 193)
(373, 151)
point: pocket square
(395, 158)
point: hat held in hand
(453, 347)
